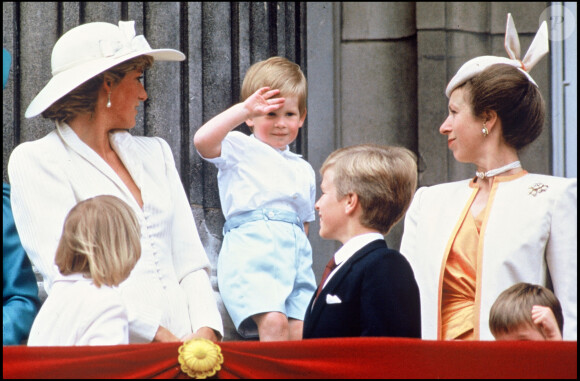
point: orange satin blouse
(459, 282)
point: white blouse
(253, 175)
(79, 313)
(170, 284)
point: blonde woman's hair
(513, 307)
(383, 177)
(83, 98)
(277, 73)
(100, 239)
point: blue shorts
(265, 265)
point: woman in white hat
(93, 98)
(467, 241)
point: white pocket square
(332, 299)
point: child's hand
(544, 318)
(260, 103)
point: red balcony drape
(318, 358)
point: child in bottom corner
(267, 196)
(526, 311)
(99, 247)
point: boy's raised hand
(208, 138)
(544, 318)
(262, 103)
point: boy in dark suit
(366, 190)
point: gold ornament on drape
(200, 358)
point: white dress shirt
(170, 284)
(253, 175)
(79, 313)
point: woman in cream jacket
(467, 241)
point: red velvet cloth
(317, 358)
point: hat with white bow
(88, 50)
(538, 49)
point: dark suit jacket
(379, 297)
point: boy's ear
(302, 118)
(350, 203)
(250, 122)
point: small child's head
(383, 177)
(100, 239)
(277, 73)
(512, 311)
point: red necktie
(327, 270)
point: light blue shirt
(253, 175)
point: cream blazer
(170, 284)
(528, 235)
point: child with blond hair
(99, 246)
(526, 312)
(369, 289)
(267, 195)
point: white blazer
(529, 235)
(170, 284)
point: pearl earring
(484, 130)
(109, 101)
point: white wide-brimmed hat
(88, 50)
(538, 49)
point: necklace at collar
(497, 171)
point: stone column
(379, 78)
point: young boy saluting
(526, 311)
(267, 195)
(372, 290)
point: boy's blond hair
(277, 73)
(383, 177)
(100, 239)
(513, 307)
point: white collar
(75, 277)
(285, 152)
(355, 244)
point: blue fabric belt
(262, 214)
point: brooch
(537, 188)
